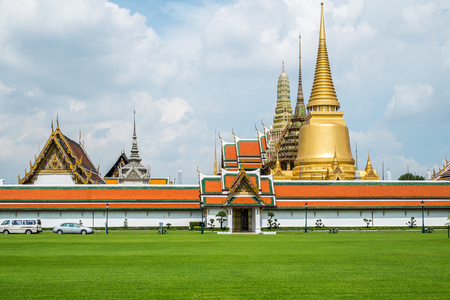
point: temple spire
(215, 154)
(134, 157)
(357, 172)
(369, 163)
(300, 106)
(323, 93)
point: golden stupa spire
(369, 163)
(323, 93)
(324, 139)
(215, 155)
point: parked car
(72, 228)
(27, 226)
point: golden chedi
(324, 144)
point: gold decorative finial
(369, 164)
(57, 122)
(52, 125)
(322, 24)
(323, 92)
(215, 155)
(282, 66)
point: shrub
(411, 223)
(319, 223)
(367, 222)
(273, 223)
(211, 223)
(168, 225)
(125, 223)
(193, 224)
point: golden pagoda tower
(324, 140)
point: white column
(230, 220)
(257, 218)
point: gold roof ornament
(215, 155)
(323, 92)
(369, 163)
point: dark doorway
(244, 219)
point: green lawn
(180, 264)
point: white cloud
(173, 109)
(4, 89)
(409, 100)
(75, 105)
(189, 67)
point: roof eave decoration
(242, 176)
(73, 166)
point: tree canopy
(410, 176)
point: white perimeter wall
(115, 218)
(347, 218)
(286, 218)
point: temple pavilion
(62, 161)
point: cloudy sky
(191, 68)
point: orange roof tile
(369, 203)
(129, 205)
(213, 186)
(361, 191)
(230, 152)
(55, 194)
(249, 148)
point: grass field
(181, 264)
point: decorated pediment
(243, 191)
(336, 174)
(62, 155)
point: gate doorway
(242, 220)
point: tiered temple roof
(134, 172)
(249, 154)
(288, 142)
(112, 177)
(237, 188)
(61, 157)
(444, 174)
(215, 190)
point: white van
(27, 226)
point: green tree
(367, 222)
(409, 176)
(221, 218)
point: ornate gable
(242, 191)
(61, 155)
(444, 174)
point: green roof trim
(362, 183)
(101, 200)
(101, 187)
